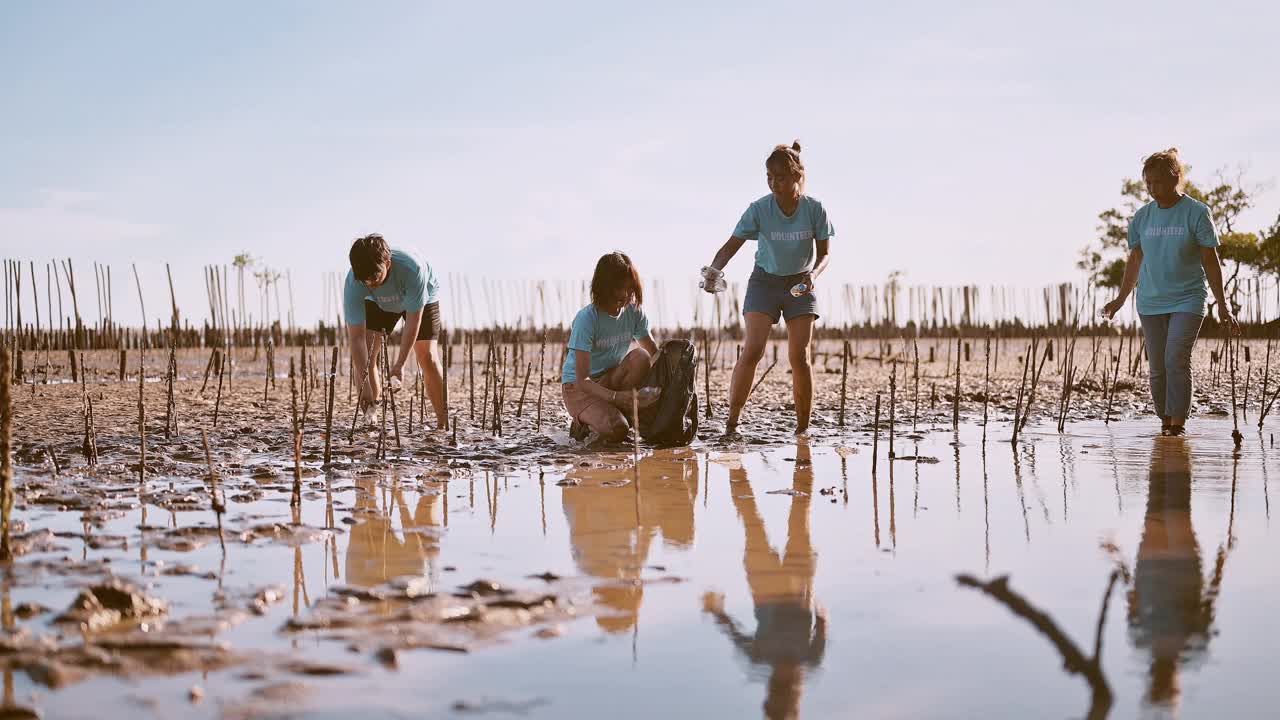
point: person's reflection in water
(1170, 608)
(611, 533)
(375, 553)
(791, 627)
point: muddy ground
(85, 499)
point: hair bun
(796, 146)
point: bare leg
(799, 333)
(425, 350)
(744, 371)
(373, 342)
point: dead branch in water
(1073, 659)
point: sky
(513, 142)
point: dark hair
(613, 272)
(786, 158)
(368, 255)
(1166, 161)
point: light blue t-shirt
(410, 285)
(1171, 278)
(784, 245)
(607, 338)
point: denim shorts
(771, 295)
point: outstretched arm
(1213, 271)
(1130, 281)
(726, 252)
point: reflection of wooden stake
(218, 506)
(875, 442)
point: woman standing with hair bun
(1173, 251)
(792, 232)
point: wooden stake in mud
(6, 455)
(915, 381)
(391, 388)
(296, 438)
(1017, 406)
(171, 402)
(706, 373)
(844, 379)
(875, 437)
(1236, 437)
(217, 403)
(142, 420)
(471, 371)
(986, 387)
(328, 415)
(542, 355)
(893, 401)
(1266, 377)
(955, 399)
(266, 378)
(213, 357)
(635, 431)
(524, 389)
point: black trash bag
(673, 419)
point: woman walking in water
(792, 232)
(1173, 250)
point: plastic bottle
(713, 279)
(799, 289)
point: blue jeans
(1170, 339)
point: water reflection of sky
(791, 582)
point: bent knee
(639, 356)
(799, 358)
(752, 354)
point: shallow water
(726, 583)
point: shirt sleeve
(432, 285)
(1202, 229)
(415, 283)
(583, 335)
(642, 324)
(822, 228)
(1134, 239)
(748, 227)
(353, 294)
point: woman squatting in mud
(598, 369)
